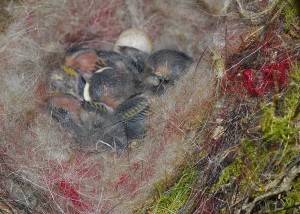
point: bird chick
(61, 82)
(84, 60)
(136, 59)
(134, 62)
(111, 87)
(133, 114)
(125, 59)
(120, 75)
(169, 64)
(93, 128)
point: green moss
(277, 128)
(258, 159)
(291, 13)
(245, 169)
(292, 98)
(231, 172)
(292, 200)
(172, 200)
(282, 128)
(293, 196)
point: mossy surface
(291, 13)
(292, 200)
(260, 161)
(292, 18)
(173, 199)
(278, 119)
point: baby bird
(111, 87)
(82, 63)
(61, 82)
(83, 60)
(133, 114)
(93, 127)
(88, 60)
(136, 59)
(169, 64)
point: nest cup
(40, 163)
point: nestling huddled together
(103, 97)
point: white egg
(136, 38)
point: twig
(276, 188)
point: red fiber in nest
(67, 177)
(271, 76)
(258, 67)
(126, 178)
(70, 192)
(257, 82)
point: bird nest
(221, 138)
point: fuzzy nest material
(223, 139)
(44, 167)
